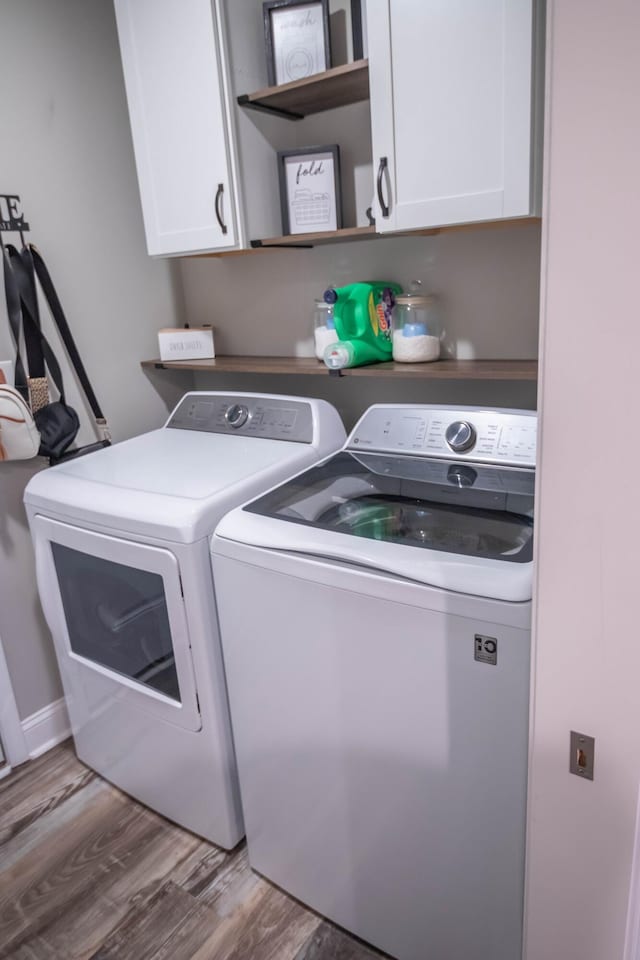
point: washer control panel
(271, 418)
(477, 434)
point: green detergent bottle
(362, 315)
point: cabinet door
(452, 110)
(175, 90)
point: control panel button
(460, 435)
(236, 415)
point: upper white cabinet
(453, 111)
(175, 76)
(454, 118)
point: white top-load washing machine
(375, 623)
(122, 553)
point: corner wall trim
(46, 728)
(632, 937)
(14, 745)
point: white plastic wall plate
(7, 368)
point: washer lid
(461, 527)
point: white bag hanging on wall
(19, 437)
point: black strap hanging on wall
(57, 422)
(65, 333)
(39, 351)
(21, 267)
(14, 313)
(13, 221)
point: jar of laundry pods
(416, 328)
(324, 328)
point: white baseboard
(46, 728)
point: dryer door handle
(44, 581)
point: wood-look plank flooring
(86, 873)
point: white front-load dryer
(124, 576)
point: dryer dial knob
(460, 436)
(236, 415)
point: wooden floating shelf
(337, 87)
(347, 234)
(438, 370)
(317, 239)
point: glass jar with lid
(324, 328)
(416, 327)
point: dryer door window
(119, 622)
(117, 617)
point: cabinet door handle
(382, 166)
(223, 226)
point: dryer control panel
(271, 418)
(472, 433)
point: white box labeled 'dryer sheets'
(186, 343)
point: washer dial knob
(236, 415)
(461, 475)
(460, 436)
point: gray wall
(486, 281)
(66, 150)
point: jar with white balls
(324, 327)
(416, 329)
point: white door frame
(12, 736)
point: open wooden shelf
(317, 239)
(336, 87)
(347, 234)
(439, 370)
